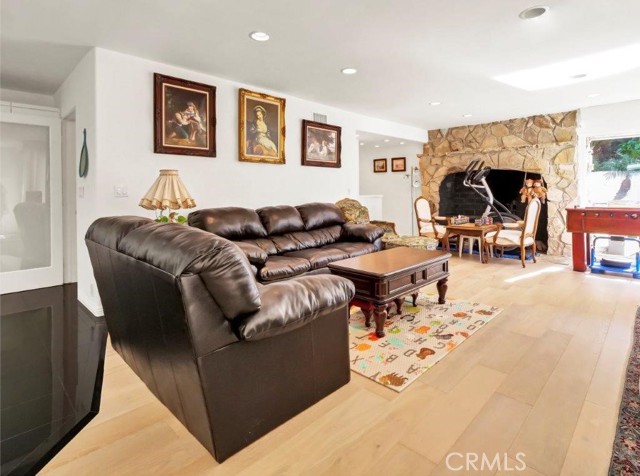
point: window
(614, 178)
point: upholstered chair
(356, 212)
(523, 237)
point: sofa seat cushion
(355, 249)
(288, 305)
(283, 267)
(320, 257)
(264, 244)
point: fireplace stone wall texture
(543, 144)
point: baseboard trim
(95, 307)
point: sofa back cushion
(232, 223)
(280, 220)
(320, 215)
(182, 250)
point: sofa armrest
(256, 255)
(288, 305)
(364, 232)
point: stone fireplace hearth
(543, 144)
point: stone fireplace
(543, 145)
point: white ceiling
(371, 141)
(407, 52)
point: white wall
(118, 96)
(125, 110)
(23, 97)
(78, 93)
(398, 194)
(610, 120)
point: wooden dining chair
(429, 225)
(523, 237)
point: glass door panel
(30, 202)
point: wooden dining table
(469, 229)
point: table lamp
(168, 193)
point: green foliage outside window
(615, 155)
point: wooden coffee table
(384, 277)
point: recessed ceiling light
(593, 95)
(533, 12)
(259, 36)
(349, 70)
(401, 143)
(361, 143)
(386, 140)
(376, 146)
(467, 115)
(434, 103)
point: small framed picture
(261, 128)
(399, 164)
(379, 165)
(185, 117)
(320, 144)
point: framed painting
(379, 165)
(321, 144)
(399, 164)
(185, 117)
(262, 129)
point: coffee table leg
(380, 315)
(415, 299)
(398, 302)
(367, 316)
(442, 290)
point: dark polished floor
(51, 366)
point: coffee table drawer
(432, 272)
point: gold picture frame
(262, 133)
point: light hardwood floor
(544, 378)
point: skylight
(575, 70)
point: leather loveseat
(230, 357)
(284, 241)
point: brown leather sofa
(284, 241)
(230, 357)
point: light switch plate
(120, 191)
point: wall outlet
(120, 191)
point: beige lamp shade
(167, 191)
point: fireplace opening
(456, 199)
